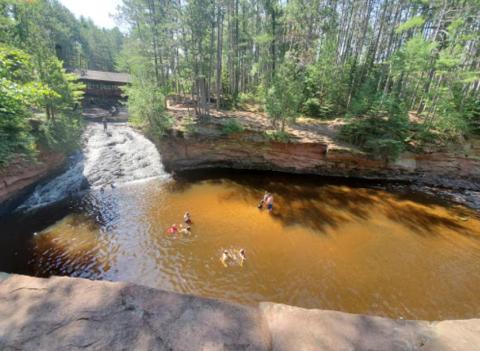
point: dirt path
(305, 130)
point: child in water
(263, 200)
(225, 258)
(186, 230)
(243, 257)
(233, 257)
(186, 218)
(173, 229)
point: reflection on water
(329, 246)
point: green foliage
(146, 106)
(248, 98)
(382, 132)
(283, 99)
(472, 113)
(312, 107)
(413, 22)
(62, 134)
(21, 90)
(278, 136)
(64, 89)
(232, 126)
(189, 126)
(15, 99)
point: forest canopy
(374, 61)
(39, 100)
(394, 71)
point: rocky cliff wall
(20, 177)
(209, 148)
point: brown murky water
(328, 246)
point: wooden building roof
(103, 76)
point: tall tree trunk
(219, 54)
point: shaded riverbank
(64, 313)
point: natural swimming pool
(328, 244)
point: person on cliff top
(187, 218)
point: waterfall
(107, 159)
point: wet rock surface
(62, 313)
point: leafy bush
(146, 105)
(246, 98)
(16, 98)
(278, 135)
(227, 102)
(62, 134)
(383, 138)
(312, 107)
(232, 126)
(188, 125)
(472, 115)
(282, 101)
(382, 132)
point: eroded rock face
(20, 176)
(250, 150)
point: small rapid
(113, 158)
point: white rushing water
(107, 159)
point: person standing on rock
(104, 120)
(187, 218)
(269, 202)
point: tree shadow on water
(319, 203)
(320, 206)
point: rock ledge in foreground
(62, 313)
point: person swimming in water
(172, 229)
(243, 257)
(263, 200)
(233, 257)
(186, 230)
(225, 258)
(187, 218)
